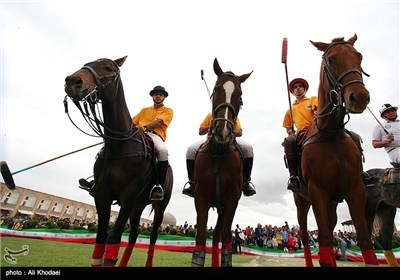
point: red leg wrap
(215, 255)
(150, 255)
(200, 247)
(326, 256)
(127, 254)
(369, 257)
(112, 252)
(98, 251)
(307, 257)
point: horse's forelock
(339, 39)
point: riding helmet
(298, 80)
(386, 107)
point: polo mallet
(284, 60)
(202, 77)
(8, 176)
(384, 129)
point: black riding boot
(190, 171)
(293, 183)
(157, 192)
(87, 186)
(248, 188)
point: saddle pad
(392, 176)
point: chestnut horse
(218, 177)
(331, 161)
(383, 199)
(125, 168)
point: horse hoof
(109, 263)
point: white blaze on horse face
(229, 88)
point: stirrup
(249, 189)
(189, 191)
(154, 188)
(293, 184)
(86, 185)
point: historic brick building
(30, 202)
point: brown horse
(383, 199)
(125, 168)
(218, 175)
(331, 161)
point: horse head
(90, 81)
(341, 67)
(226, 103)
(101, 80)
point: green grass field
(43, 253)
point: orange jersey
(303, 113)
(150, 114)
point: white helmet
(386, 107)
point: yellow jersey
(150, 114)
(303, 113)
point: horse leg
(158, 217)
(114, 239)
(356, 203)
(134, 223)
(215, 241)
(199, 256)
(199, 252)
(386, 216)
(226, 235)
(98, 253)
(325, 213)
(103, 213)
(226, 254)
(303, 207)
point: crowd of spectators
(284, 238)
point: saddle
(392, 175)
(148, 148)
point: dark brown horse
(125, 168)
(331, 161)
(218, 175)
(383, 199)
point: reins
(91, 111)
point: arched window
(25, 200)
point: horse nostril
(73, 81)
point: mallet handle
(384, 129)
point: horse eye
(108, 69)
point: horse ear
(353, 39)
(120, 61)
(217, 68)
(244, 77)
(320, 46)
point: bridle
(222, 105)
(91, 111)
(336, 100)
